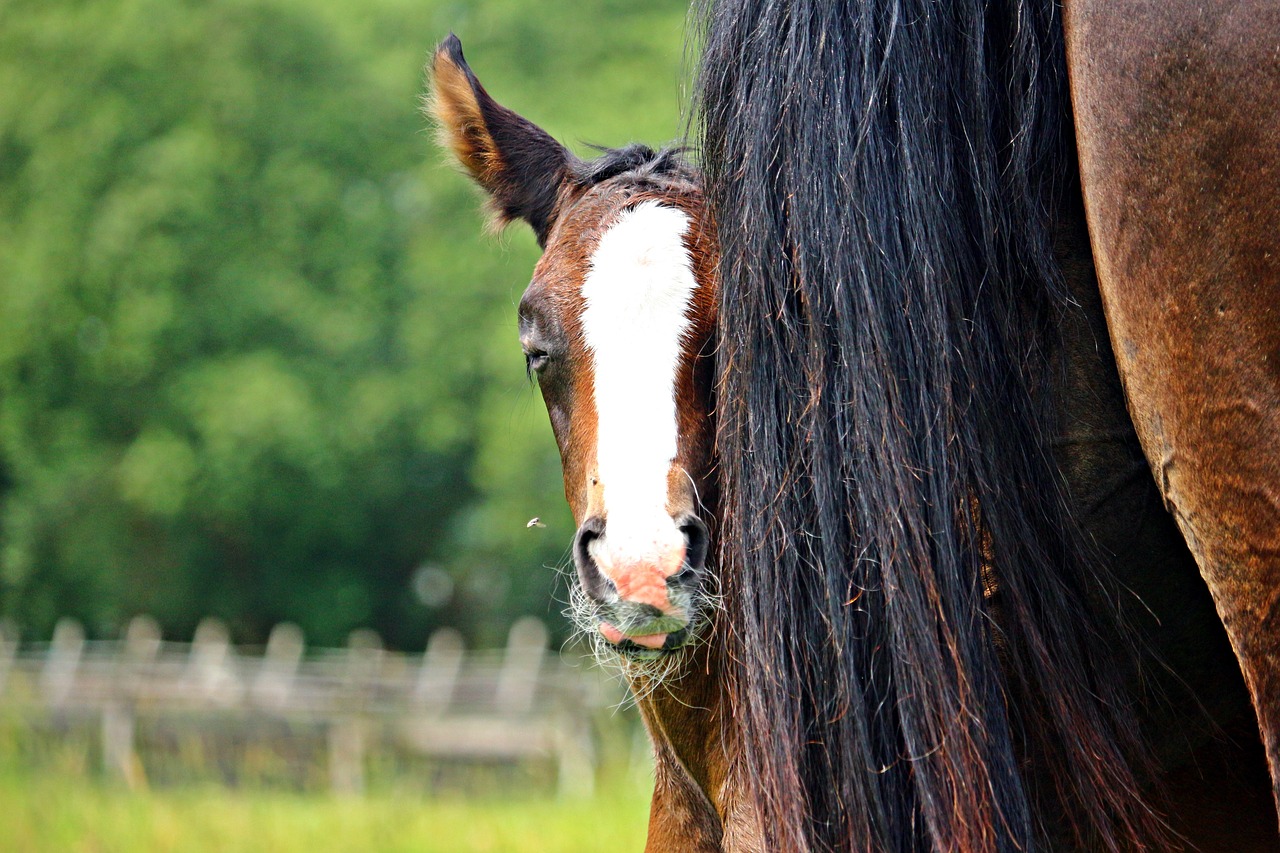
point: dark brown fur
(1178, 118)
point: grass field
(53, 797)
(56, 812)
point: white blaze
(637, 295)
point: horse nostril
(697, 541)
(594, 583)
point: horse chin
(638, 632)
(673, 644)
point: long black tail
(918, 668)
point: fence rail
(519, 703)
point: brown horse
(618, 325)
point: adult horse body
(920, 427)
(896, 200)
(1181, 176)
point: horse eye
(535, 361)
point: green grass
(56, 811)
(54, 797)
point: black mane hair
(917, 659)
(635, 160)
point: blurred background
(258, 361)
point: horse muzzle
(644, 597)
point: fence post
(8, 650)
(210, 667)
(439, 674)
(58, 676)
(119, 721)
(279, 666)
(347, 731)
(521, 666)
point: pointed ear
(514, 160)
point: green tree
(256, 358)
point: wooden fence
(521, 703)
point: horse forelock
(880, 176)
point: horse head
(617, 327)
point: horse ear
(514, 160)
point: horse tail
(908, 597)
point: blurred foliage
(257, 356)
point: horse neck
(704, 797)
(684, 714)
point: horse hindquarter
(1176, 107)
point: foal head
(616, 326)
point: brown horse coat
(1177, 110)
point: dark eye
(534, 361)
